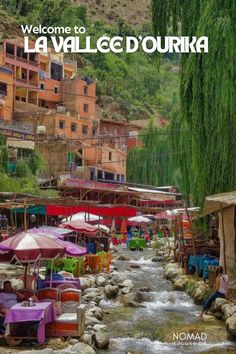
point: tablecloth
(42, 312)
(200, 259)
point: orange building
(6, 94)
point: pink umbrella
(29, 246)
(72, 249)
(79, 226)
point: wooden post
(25, 216)
(223, 234)
(193, 243)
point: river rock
(82, 348)
(126, 290)
(86, 338)
(218, 315)
(171, 271)
(145, 290)
(73, 341)
(127, 284)
(231, 325)
(57, 343)
(95, 312)
(91, 290)
(134, 266)
(87, 282)
(157, 259)
(208, 318)
(181, 282)
(101, 339)
(111, 291)
(90, 321)
(218, 303)
(118, 278)
(123, 258)
(101, 281)
(99, 327)
(228, 310)
(92, 296)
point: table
(42, 312)
(56, 283)
(200, 259)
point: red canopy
(107, 211)
(80, 226)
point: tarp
(215, 202)
(38, 209)
(110, 211)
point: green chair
(141, 244)
(69, 265)
(132, 244)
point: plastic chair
(132, 244)
(141, 244)
(79, 265)
(47, 294)
(104, 261)
(69, 265)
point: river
(167, 318)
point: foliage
(133, 80)
(3, 155)
(151, 164)
(208, 94)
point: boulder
(111, 291)
(228, 310)
(95, 312)
(90, 321)
(92, 296)
(82, 348)
(126, 290)
(231, 325)
(218, 303)
(208, 318)
(101, 281)
(73, 341)
(99, 327)
(122, 258)
(172, 270)
(86, 338)
(86, 282)
(180, 282)
(118, 278)
(134, 266)
(127, 284)
(101, 339)
(157, 259)
(145, 290)
(91, 290)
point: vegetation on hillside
(129, 86)
(208, 95)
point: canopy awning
(216, 202)
(23, 144)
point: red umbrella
(29, 246)
(79, 226)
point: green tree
(207, 113)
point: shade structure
(61, 233)
(87, 217)
(71, 249)
(165, 216)
(103, 228)
(139, 220)
(79, 226)
(30, 245)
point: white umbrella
(103, 227)
(82, 217)
(139, 220)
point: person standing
(220, 289)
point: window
(86, 107)
(85, 129)
(3, 89)
(55, 90)
(73, 127)
(61, 124)
(110, 156)
(85, 90)
(42, 86)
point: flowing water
(168, 316)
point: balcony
(17, 126)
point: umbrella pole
(25, 276)
(51, 273)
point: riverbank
(199, 290)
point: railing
(18, 126)
(12, 56)
(23, 60)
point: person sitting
(220, 289)
(8, 298)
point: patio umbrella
(79, 226)
(103, 228)
(87, 217)
(29, 246)
(71, 249)
(139, 220)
